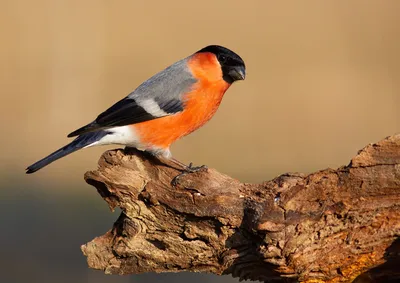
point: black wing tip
(88, 128)
(73, 134)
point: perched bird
(166, 107)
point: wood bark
(328, 226)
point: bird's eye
(222, 58)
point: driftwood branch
(329, 226)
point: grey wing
(159, 96)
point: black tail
(76, 144)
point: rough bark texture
(329, 226)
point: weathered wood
(329, 226)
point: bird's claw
(194, 169)
(188, 170)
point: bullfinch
(171, 104)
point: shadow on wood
(328, 226)
(386, 272)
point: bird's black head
(233, 67)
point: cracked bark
(328, 226)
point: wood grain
(328, 226)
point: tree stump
(328, 226)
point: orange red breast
(201, 103)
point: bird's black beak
(237, 73)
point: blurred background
(323, 80)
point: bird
(168, 106)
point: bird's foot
(188, 170)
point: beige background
(323, 80)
